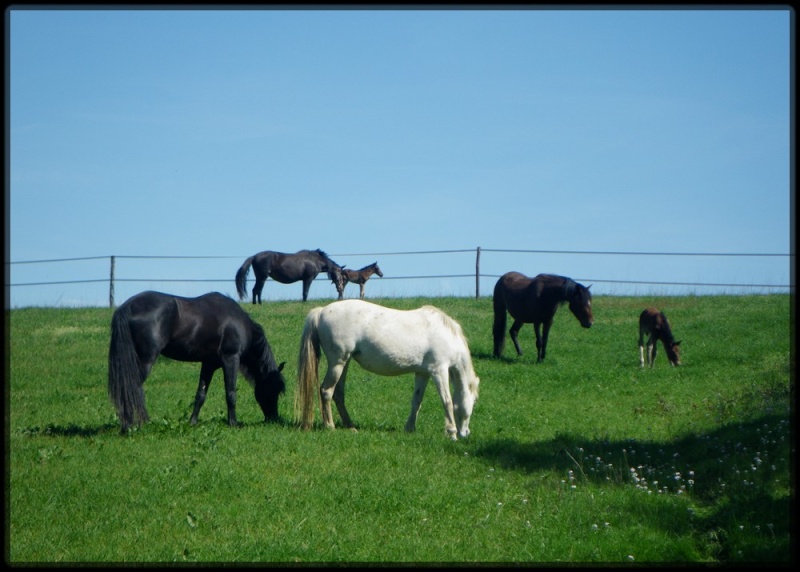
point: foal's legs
(652, 349)
(362, 290)
(515, 328)
(420, 383)
(641, 347)
(206, 373)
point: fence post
(478, 274)
(111, 285)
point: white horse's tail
(308, 370)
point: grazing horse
(360, 277)
(656, 326)
(211, 329)
(304, 265)
(536, 300)
(385, 341)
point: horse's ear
(280, 367)
(589, 286)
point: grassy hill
(583, 458)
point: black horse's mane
(261, 357)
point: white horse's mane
(455, 328)
(452, 325)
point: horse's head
(336, 275)
(464, 402)
(377, 269)
(673, 353)
(580, 304)
(267, 389)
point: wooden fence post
(111, 285)
(478, 274)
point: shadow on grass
(158, 425)
(71, 430)
(737, 475)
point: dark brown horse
(211, 329)
(656, 326)
(360, 277)
(304, 265)
(535, 300)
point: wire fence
(485, 269)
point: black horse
(360, 277)
(212, 329)
(304, 265)
(535, 300)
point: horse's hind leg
(259, 286)
(338, 399)
(326, 392)
(362, 290)
(206, 373)
(420, 383)
(514, 331)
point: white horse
(426, 342)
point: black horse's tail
(241, 278)
(125, 375)
(499, 327)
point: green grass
(584, 458)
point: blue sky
(368, 133)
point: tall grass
(583, 458)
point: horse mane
(568, 288)
(261, 359)
(324, 255)
(465, 364)
(453, 327)
(667, 331)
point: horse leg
(306, 286)
(652, 350)
(362, 290)
(338, 399)
(206, 373)
(641, 348)
(545, 334)
(537, 330)
(442, 381)
(230, 368)
(259, 285)
(515, 328)
(326, 391)
(420, 383)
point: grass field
(584, 458)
